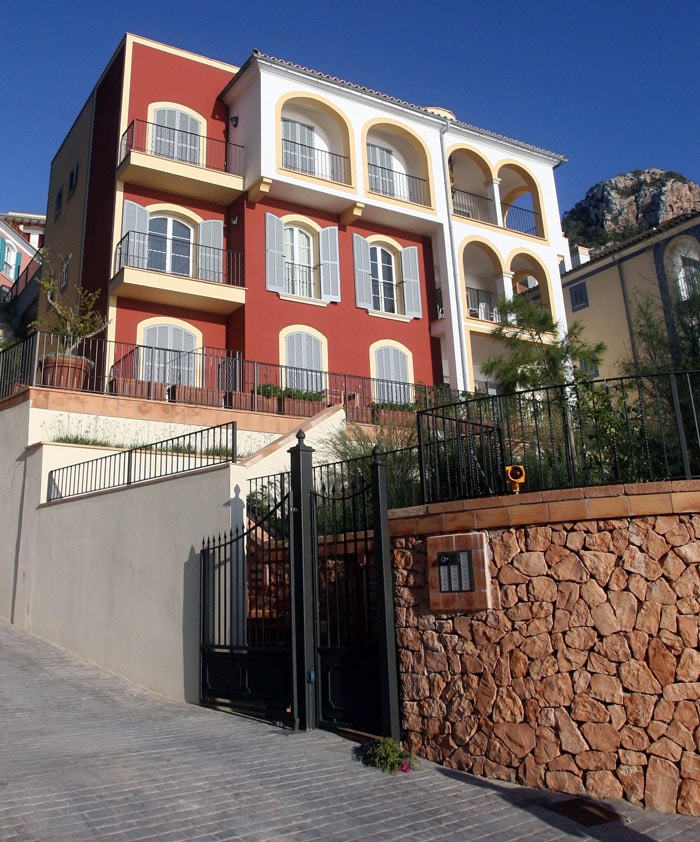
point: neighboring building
(21, 234)
(297, 219)
(603, 292)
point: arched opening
(483, 281)
(520, 201)
(470, 183)
(315, 140)
(397, 165)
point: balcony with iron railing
(198, 277)
(301, 279)
(212, 377)
(181, 162)
(317, 162)
(397, 185)
(524, 220)
(471, 206)
(482, 304)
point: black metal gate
(297, 609)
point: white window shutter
(330, 270)
(363, 276)
(411, 282)
(210, 256)
(274, 253)
(135, 224)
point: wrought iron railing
(482, 304)
(181, 454)
(521, 219)
(471, 206)
(27, 275)
(209, 377)
(396, 184)
(186, 147)
(627, 429)
(311, 161)
(175, 256)
(301, 279)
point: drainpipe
(628, 315)
(453, 275)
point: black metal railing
(300, 279)
(209, 377)
(482, 304)
(471, 206)
(311, 161)
(396, 184)
(521, 219)
(181, 454)
(27, 275)
(627, 429)
(186, 147)
(175, 256)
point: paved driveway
(85, 755)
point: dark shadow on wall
(545, 805)
(190, 627)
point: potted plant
(69, 325)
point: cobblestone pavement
(85, 755)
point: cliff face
(629, 204)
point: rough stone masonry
(585, 677)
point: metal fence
(186, 147)
(311, 161)
(621, 430)
(209, 377)
(200, 449)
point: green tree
(670, 341)
(535, 355)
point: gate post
(302, 573)
(388, 673)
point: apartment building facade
(297, 219)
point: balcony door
(298, 142)
(169, 246)
(176, 135)
(381, 170)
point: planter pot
(133, 388)
(263, 403)
(359, 414)
(65, 372)
(301, 407)
(238, 400)
(394, 417)
(197, 395)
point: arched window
(176, 135)
(383, 272)
(299, 275)
(392, 383)
(169, 355)
(291, 266)
(387, 279)
(682, 263)
(304, 360)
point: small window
(63, 277)
(58, 201)
(579, 296)
(591, 369)
(73, 179)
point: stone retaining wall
(584, 677)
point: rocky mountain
(615, 210)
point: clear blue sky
(612, 85)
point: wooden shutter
(363, 275)
(304, 358)
(392, 369)
(411, 282)
(210, 255)
(135, 224)
(18, 263)
(274, 253)
(3, 249)
(330, 270)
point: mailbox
(456, 571)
